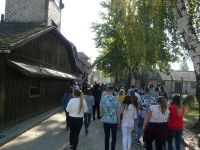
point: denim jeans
(139, 128)
(107, 128)
(176, 134)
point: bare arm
(147, 117)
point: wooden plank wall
(46, 51)
(20, 106)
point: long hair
(134, 99)
(127, 102)
(163, 104)
(177, 101)
(78, 93)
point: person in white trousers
(129, 114)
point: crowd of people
(149, 113)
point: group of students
(154, 118)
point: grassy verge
(191, 117)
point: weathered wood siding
(2, 89)
(16, 103)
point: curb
(9, 134)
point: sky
(77, 17)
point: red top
(175, 122)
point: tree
(184, 66)
(128, 40)
(187, 17)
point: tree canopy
(136, 35)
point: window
(193, 85)
(34, 88)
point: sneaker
(137, 142)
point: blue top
(65, 99)
(146, 101)
(109, 105)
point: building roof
(12, 34)
(31, 70)
(183, 75)
(82, 55)
(176, 76)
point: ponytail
(163, 104)
(78, 93)
(81, 102)
(177, 101)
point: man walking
(144, 103)
(110, 108)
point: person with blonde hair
(175, 123)
(155, 124)
(76, 108)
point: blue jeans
(107, 128)
(176, 134)
(139, 127)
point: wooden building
(37, 64)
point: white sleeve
(85, 108)
(68, 106)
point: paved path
(51, 135)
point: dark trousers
(177, 135)
(67, 118)
(159, 144)
(87, 119)
(75, 128)
(107, 128)
(96, 107)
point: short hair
(110, 88)
(121, 92)
(146, 90)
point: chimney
(2, 18)
(61, 5)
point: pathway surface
(51, 135)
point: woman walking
(128, 117)
(90, 103)
(155, 124)
(175, 123)
(76, 108)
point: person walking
(128, 117)
(90, 103)
(76, 108)
(144, 103)
(155, 124)
(110, 108)
(96, 92)
(163, 92)
(65, 100)
(175, 123)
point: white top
(129, 115)
(157, 115)
(73, 107)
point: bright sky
(77, 17)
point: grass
(191, 116)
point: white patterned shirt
(157, 115)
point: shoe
(137, 142)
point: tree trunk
(191, 40)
